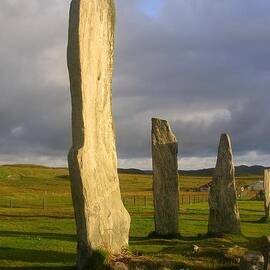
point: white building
(256, 186)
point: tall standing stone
(267, 193)
(223, 209)
(165, 179)
(101, 218)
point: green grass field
(35, 238)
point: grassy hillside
(37, 181)
(35, 238)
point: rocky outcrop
(165, 179)
(140, 263)
(252, 260)
(267, 194)
(223, 209)
(101, 218)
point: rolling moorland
(37, 229)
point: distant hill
(202, 172)
(239, 170)
(131, 171)
(256, 169)
(26, 166)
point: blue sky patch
(151, 7)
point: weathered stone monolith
(165, 179)
(101, 218)
(223, 209)
(264, 243)
(267, 194)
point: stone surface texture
(252, 260)
(101, 218)
(267, 193)
(223, 208)
(265, 249)
(165, 178)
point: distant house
(205, 187)
(256, 186)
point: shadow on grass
(200, 237)
(35, 256)
(64, 176)
(258, 221)
(42, 215)
(215, 256)
(39, 268)
(243, 209)
(53, 236)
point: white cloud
(205, 74)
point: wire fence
(128, 200)
(134, 200)
(35, 203)
(58, 202)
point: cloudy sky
(202, 65)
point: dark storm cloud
(33, 83)
(203, 65)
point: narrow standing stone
(101, 218)
(267, 194)
(224, 214)
(165, 179)
(265, 249)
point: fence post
(134, 200)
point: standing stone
(224, 214)
(101, 218)
(267, 194)
(265, 249)
(165, 179)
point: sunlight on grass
(31, 237)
